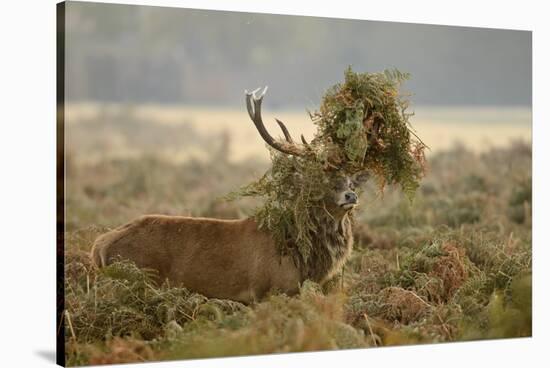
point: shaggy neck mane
(297, 191)
(332, 243)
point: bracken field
(453, 265)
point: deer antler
(372, 126)
(254, 107)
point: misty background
(157, 55)
(145, 81)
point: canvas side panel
(60, 188)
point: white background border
(27, 192)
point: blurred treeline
(143, 54)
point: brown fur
(230, 259)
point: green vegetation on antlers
(363, 126)
(364, 120)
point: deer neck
(333, 243)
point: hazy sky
(151, 54)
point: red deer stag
(233, 259)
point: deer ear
(360, 178)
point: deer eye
(339, 185)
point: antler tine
(288, 137)
(374, 134)
(249, 96)
(372, 125)
(258, 105)
(254, 107)
(304, 140)
(255, 113)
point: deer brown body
(233, 259)
(230, 259)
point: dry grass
(454, 265)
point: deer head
(340, 196)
